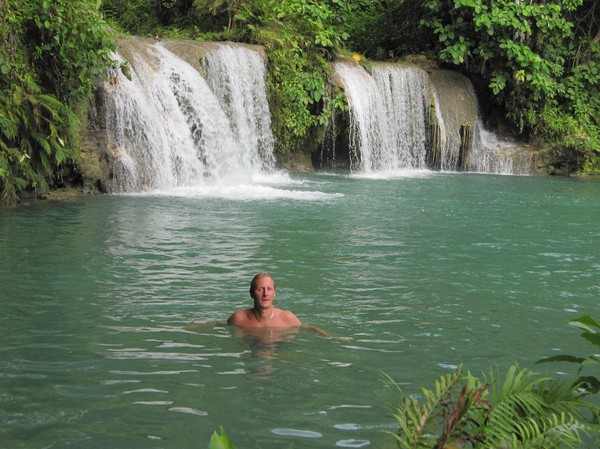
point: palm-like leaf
(439, 418)
(521, 410)
(590, 384)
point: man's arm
(316, 329)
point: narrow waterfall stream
(492, 154)
(387, 116)
(237, 77)
(168, 126)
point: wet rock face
(91, 163)
(458, 113)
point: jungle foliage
(301, 37)
(538, 63)
(50, 53)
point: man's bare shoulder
(238, 317)
(288, 318)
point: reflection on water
(265, 342)
(412, 275)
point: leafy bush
(521, 410)
(50, 53)
(300, 37)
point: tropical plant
(221, 441)
(588, 383)
(216, 7)
(139, 17)
(387, 29)
(522, 410)
(300, 37)
(33, 138)
(50, 54)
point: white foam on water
(268, 189)
(298, 433)
(395, 174)
(277, 186)
(241, 192)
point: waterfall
(457, 114)
(405, 118)
(189, 114)
(387, 116)
(168, 126)
(243, 99)
(491, 154)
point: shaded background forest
(535, 65)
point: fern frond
(533, 411)
(43, 143)
(560, 397)
(513, 401)
(552, 431)
(419, 421)
(52, 105)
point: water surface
(418, 273)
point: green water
(422, 273)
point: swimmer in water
(264, 314)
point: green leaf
(59, 156)
(220, 441)
(592, 338)
(585, 322)
(561, 358)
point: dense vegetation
(536, 65)
(50, 53)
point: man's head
(255, 281)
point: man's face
(264, 292)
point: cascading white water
(168, 128)
(491, 154)
(243, 99)
(387, 116)
(389, 121)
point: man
(263, 314)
